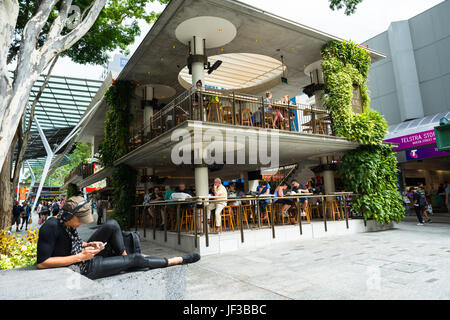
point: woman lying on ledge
(103, 255)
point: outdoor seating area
(229, 108)
(247, 212)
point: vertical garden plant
(371, 169)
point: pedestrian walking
(99, 211)
(420, 204)
(406, 202)
(55, 208)
(16, 215)
(25, 214)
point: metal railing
(84, 170)
(220, 106)
(343, 201)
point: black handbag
(131, 241)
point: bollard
(143, 221)
(154, 224)
(299, 217)
(271, 220)
(165, 223)
(178, 224)
(241, 223)
(324, 209)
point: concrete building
(411, 88)
(237, 53)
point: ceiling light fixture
(215, 66)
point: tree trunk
(6, 194)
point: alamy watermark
(212, 146)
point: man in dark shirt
(420, 204)
(17, 209)
(59, 245)
(299, 189)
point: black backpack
(131, 241)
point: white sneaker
(420, 224)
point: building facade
(411, 89)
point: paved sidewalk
(410, 262)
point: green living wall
(115, 145)
(371, 169)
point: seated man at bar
(171, 209)
(257, 115)
(300, 188)
(181, 193)
(156, 196)
(263, 190)
(104, 255)
(287, 203)
(218, 191)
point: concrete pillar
(201, 187)
(148, 94)
(428, 181)
(243, 175)
(314, 71)
(328, 181)
(148, 114)
(252, 185)
(150, 172)
(405, 71)
(328, 178)
(198, 70)
(95, 142)
(201, 181)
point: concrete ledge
(255, 238)
(158, 284)
(64, 284)
(49, 284)
(374, 226)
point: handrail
(201, 202)
(194, 104)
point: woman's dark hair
(199, 81)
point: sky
(371, 18)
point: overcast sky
(371, 18)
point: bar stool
(246, 210)
(227, 115)
(308, 213)
(247, 118)
(244, 215)
(217, 108)
(269, 213)
(333, 206)
(187, 217)
(314, 209)
(227, 212)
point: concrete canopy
(293, 147)
(161, 56)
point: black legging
(110, 261)
(419, 210)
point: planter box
(374, 226)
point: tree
(350, 5)
(41, 31)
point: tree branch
(25, 135)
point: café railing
(222, 106)
(200, 203)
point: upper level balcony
(237, 109)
